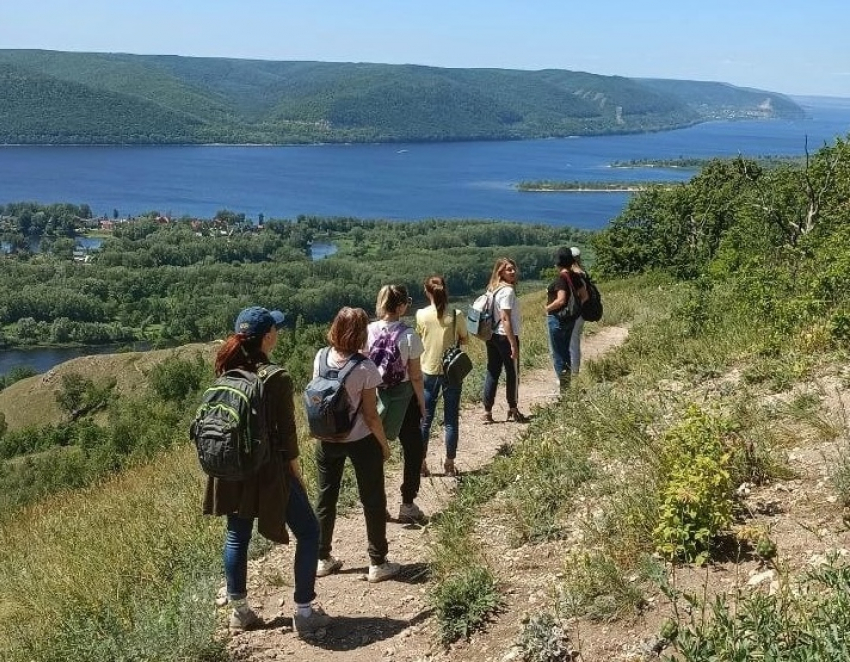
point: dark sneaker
(309, 626)
(410, 513)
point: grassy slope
(619, 409)
(32, 401)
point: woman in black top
(566, 291)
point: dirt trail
(390, 620)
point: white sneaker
(410, 513)
(327, 566)
(387, 570)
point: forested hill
(51, 97)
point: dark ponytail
(435, 286)
(239, 351)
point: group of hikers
(394, 377)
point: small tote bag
(456, 362)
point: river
(392, 181)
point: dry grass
(32, 401)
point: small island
(549, 186)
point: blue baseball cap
(257, 321)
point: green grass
(605, 441)
(73, 588)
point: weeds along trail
(393, 619)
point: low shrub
(544, 639)
(465, 601)
(801, 622)
(696, 491)
(595, 587)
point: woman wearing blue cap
(275, 496)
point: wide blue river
(399, 181)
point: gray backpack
(230, 428)
(326, 399)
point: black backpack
(230, 429)
(326, 399)
(591, 310)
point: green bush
(696, 492)
(174, 378)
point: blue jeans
(301, 521)
(559, 345)
(451, 411)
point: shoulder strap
(396, 333)
(570, 284)
(497, 318)
(324, 365)
(268, 371)
(455, 339)
(353, 361)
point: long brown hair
(240, 351)
(348, 330)
(496, 276)
(435, 286)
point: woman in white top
(395, 348)
(503, 347)
(366, 446)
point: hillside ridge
(54, 97)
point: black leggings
(413, 449)
(498, 357)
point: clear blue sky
(786, 46)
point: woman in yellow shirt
(439, 330)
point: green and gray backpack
(230, 427)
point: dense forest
(50, 97)
(185, 280)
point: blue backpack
(326, 399)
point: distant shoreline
(622, 189)
(589, 187)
